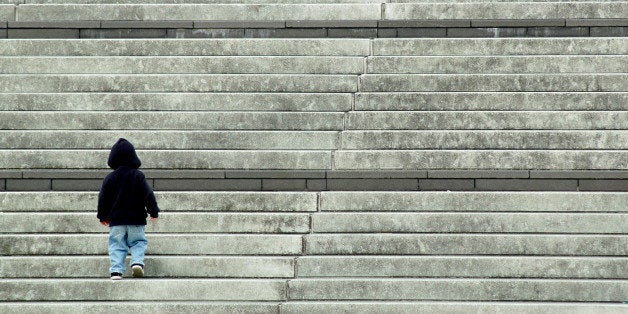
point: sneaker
(116, 276)
(138, 270)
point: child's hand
(105, 223)
(153, 218)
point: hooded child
(124, 202)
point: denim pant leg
(117, 249)
(136, 240)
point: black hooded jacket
(125, 197)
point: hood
(123, 155)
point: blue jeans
(121, 239)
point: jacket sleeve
(104, 202)
(149, 200)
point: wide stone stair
(289, 252)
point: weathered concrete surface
(140, 290)
(178, 101)
(498, 64)
(505, 10)
(147, 307)
(156, 267)
(178, 83)
(501, 46)
(462, 266)
(284, 140)
(392, 307)
(475, 139)
(479, 120)
(574, 82)
(457, 289)
(496, 101)
(486, 159)
(174, 223)
(465, 244)
(28, 12)
(168, 201)
(186, 47)
(470, 223)
(474, 202)
(7, 12)
(164, 159)
(169, 120)
(182, 65)
(200, 244)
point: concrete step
(453, 120)
(169, 201)
(502, 139)
(563, 223)
(205, 1)
(147, 307)
(497, 64)
(392, 307)
(479, 159)
(466, 244)
(500, 46)
(178, 101)
(186, 47)
(185, 65)
(581, 202)
(156, 267)
(282, 140)
(505, 10)
(574, 82)
(497, 101)
(180, 223)
(170, 120)
(12, 83)
(169, 159)
(143, 290)
(159, 244)
(246, 12)
(462, 266)
(458, 289)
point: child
(124, 200)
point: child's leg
(138, 243)
(117, 249)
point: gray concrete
(142, 290)
(457, 289)
(475, 139)
(480, 159)
(504, 10)
(466, 244)
(496, 101)
(169, 120)
(501, 46)
(156, 267)
(28, 12)
(576, 82)
(482, 120)
(470, 223)
(392, 307)
(159, 244)
(292, 140)
(182, 65)
(498, 64)
(7, 12)
(147, 307)
(462, 266)
(178, 101)
(168, 201)
(179, 83)
(179, 223)
(188, 47)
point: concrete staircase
(293, 252)
(303, 117)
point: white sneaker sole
(138, 271)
